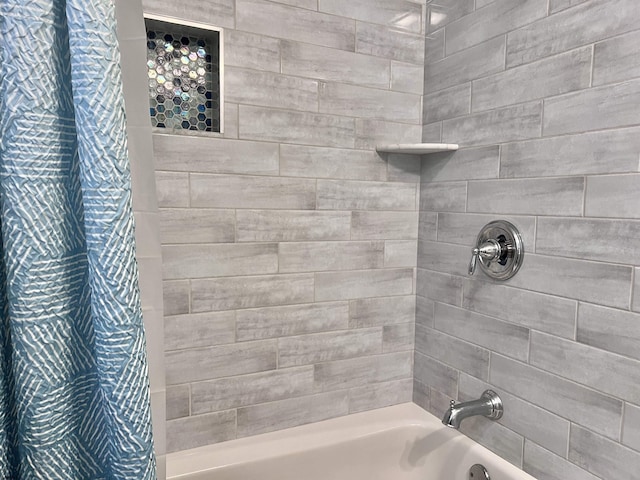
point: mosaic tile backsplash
(184, 85)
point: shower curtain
(74, 394)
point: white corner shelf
(416, 148)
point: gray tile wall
(289, 244)
(544, 98)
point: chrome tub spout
(488, 405)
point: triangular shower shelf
(416, 148)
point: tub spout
(488, 405)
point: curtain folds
(74, 394)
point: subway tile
(291, 225)
(604, 371)
(546, 313)
(282, 321)
(421, 395)
(295, 24)
(592, 282)
(398, 337)
(399, 14)
(325, 347)
(403, 167)
(558, 5)
(306, 128)
(386, 42)
(220, 361)
(199, 330)
(267, 417)
(175, 296)
(363, 283)
(448, 103)
(582, 25)
(270, 89)
(610, 106)
(172, 189)
(329, 64)
(544, 465)
(562, 74)
(494, 436)
(337, 163)
(354, 195)
(434, 47)
(615, 59)
(221, 191)
(406, 77)
(380, 395)
(249, 292)
(443, 196)
(536, 196)
(400, 253)
(234, 392)
(186, 225)
(631, 427)
(432, 132)
(438, 402)
(453, 352)
(186, 261)
(363, 371)
(442, 287)
(519, 122)
(464, 66)
(444, 12)
(192, 432)
(612, 330)
(381, 225)
(214, 155)
(373, 312)
(589, 238)
(436, 375)
(428, 226)
(533, 423)
(567, 399)
(242, 49)
(611, 151)
(463, 228)
(371, 132)
(496, 335)
(466, 164)
(497, 18)
(444, 257)
(177, 401)
(322, 256)
(219, 13)
(613, 196)
(230, 120)
(601, 456)
(308, 4)
(357, 101)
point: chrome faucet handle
(474, 261)
(489, 250)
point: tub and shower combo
(403, 442)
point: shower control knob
(489, 250)
(499, 250)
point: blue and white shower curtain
(74, 394)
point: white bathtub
(402, 442)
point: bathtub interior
(402, 442)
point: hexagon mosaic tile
(184, 85)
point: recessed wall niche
(184, 69)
